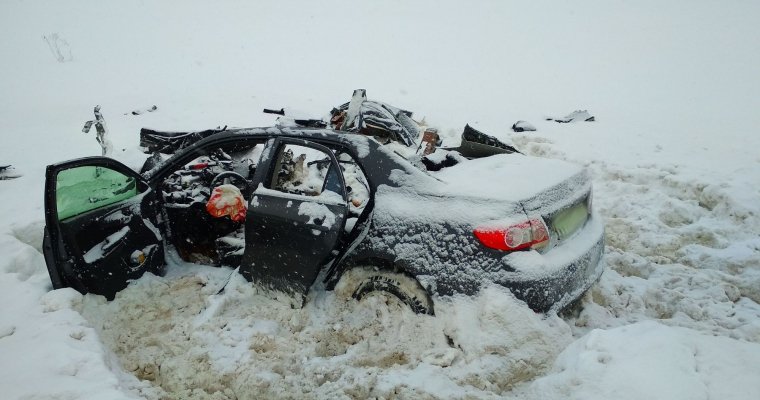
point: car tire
(362, 281)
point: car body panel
(553, 280)
(440, 249)
(290, 236)
(514, 177)
(100, 250)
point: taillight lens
(531, 234)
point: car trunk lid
(556, 191)
(535, 182)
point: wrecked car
(321, 203)
(366, 200)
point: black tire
(362, 281)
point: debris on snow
(575, 116)
(101, 134)
(8, 172)
(523, 126)
(142, 110)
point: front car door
(296, 216)
(101, 226)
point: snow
(503, 182)
(317, 211)
(650, 360)
(672, 154)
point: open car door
(296, 216)
(101, 227)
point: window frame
(274, 165)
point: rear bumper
(552, 281)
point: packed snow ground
(673, 154)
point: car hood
(531, 181)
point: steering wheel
(236, 179)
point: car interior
(199, 237)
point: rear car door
(101, 226)
(296, 216)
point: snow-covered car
(321, 204)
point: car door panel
(289, 244)
(290, 236)
(100, 250)
(104, 247)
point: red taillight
(529, 234)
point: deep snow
(672, 154)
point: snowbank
(652, 361)
(190, 342)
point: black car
(321, 203)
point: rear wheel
(365, 281)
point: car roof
(377, 161)
(321, 134)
